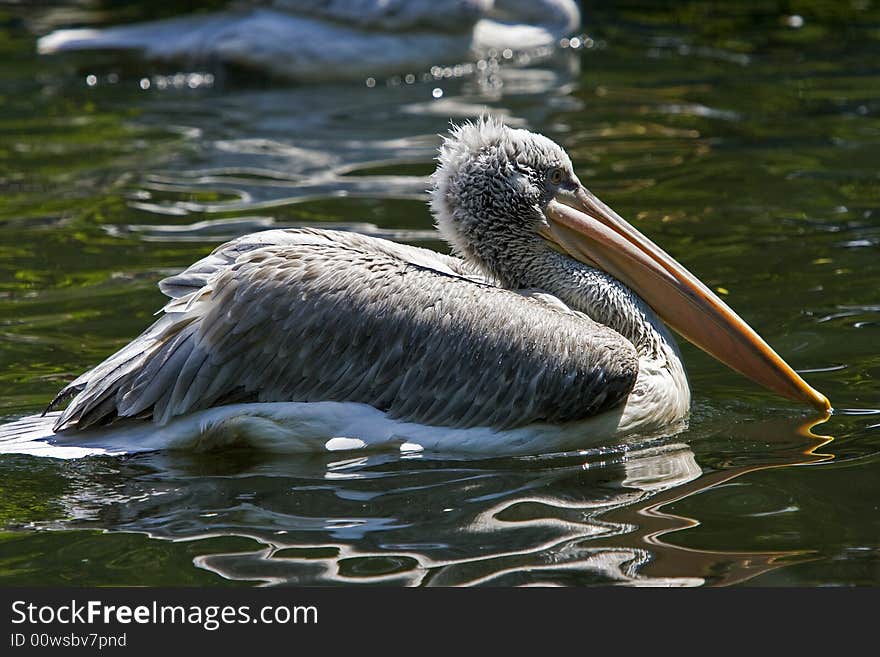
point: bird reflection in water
(594, 517)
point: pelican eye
(555, 176)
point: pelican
(542, 333)
(319, 40)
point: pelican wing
(306, 315)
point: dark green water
(748, 148)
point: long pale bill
(598, 235)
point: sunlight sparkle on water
(192, 80)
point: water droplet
(91, 80)
(437, 92)
(113, 78)
(575, 43)
(409, 78)
(145, 83)
(371, 82)
(794, 21)
(507, 53)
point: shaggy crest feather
(462, 142)
(484, 171)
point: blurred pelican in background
(334, 39)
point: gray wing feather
(308, 315)
(196, 277)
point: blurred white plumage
(334, 39)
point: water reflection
(598, 517)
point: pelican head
(508, 200)
(491, 190)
